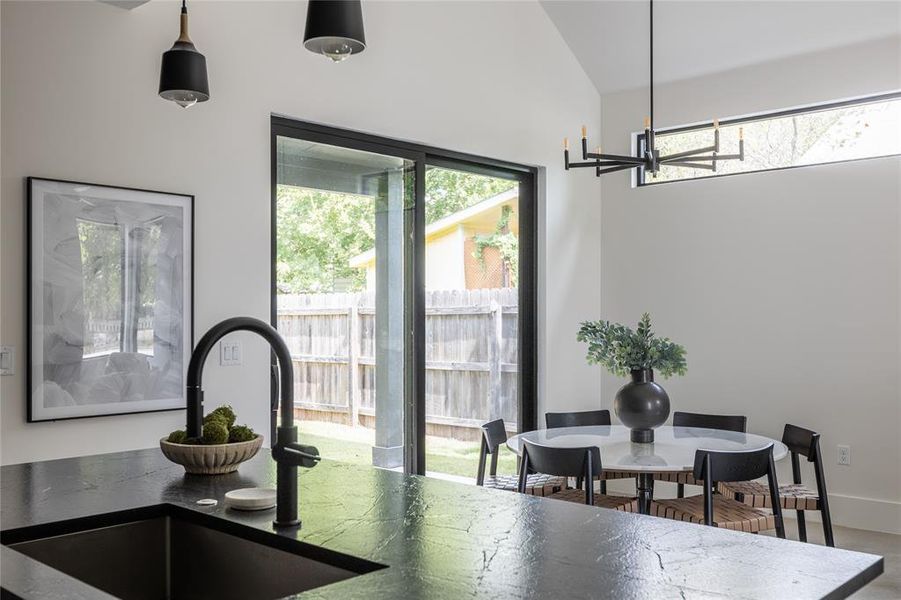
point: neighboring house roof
(447, 223)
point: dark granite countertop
(440, 539)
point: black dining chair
(737, 423)
(793, 496)
(717, 510)
(494, 434)
(582, 418)
(581, 463)
(585, 418)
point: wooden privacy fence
(471, 356)
(115, 326)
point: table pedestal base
(642, 436)
(645, 486)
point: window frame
(639, 137)
(424, 156)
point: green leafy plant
(622, 350)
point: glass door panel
(472, 317)
(343, 262)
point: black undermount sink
(170, 553)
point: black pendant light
(649, 158)
(183, 72)
(334, 28)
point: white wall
(783, 286)
(444, 256)
(79, 102)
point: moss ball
(177, 437)
(241, 433)
(211, 417)
(226, 413)
(215, 432)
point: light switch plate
(7, 360)
(230, 354)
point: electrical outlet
(230, 354)
(7, 360)
(844, 455)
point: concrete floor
(888, 585)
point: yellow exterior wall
(446, 250)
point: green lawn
(443, 455)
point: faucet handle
(297, 455)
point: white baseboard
(861, 513)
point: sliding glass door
(403, 283)
(472, 237)
(342, 259)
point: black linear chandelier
(649, 157)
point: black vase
(642, 405)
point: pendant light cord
(651, 36)
(648, 159)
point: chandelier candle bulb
(566, 143)
(584, 132)
(716, 123)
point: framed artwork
(110, 299)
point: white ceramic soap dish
(250, 499)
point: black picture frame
(185, 202)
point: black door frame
(423, 156)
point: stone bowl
(215, 459)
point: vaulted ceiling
(698, 37)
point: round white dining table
(673, 449)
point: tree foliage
(319, 231)
(621, 350)
(505, 241)
(102, 251)
(448, 191)
(769, 143)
